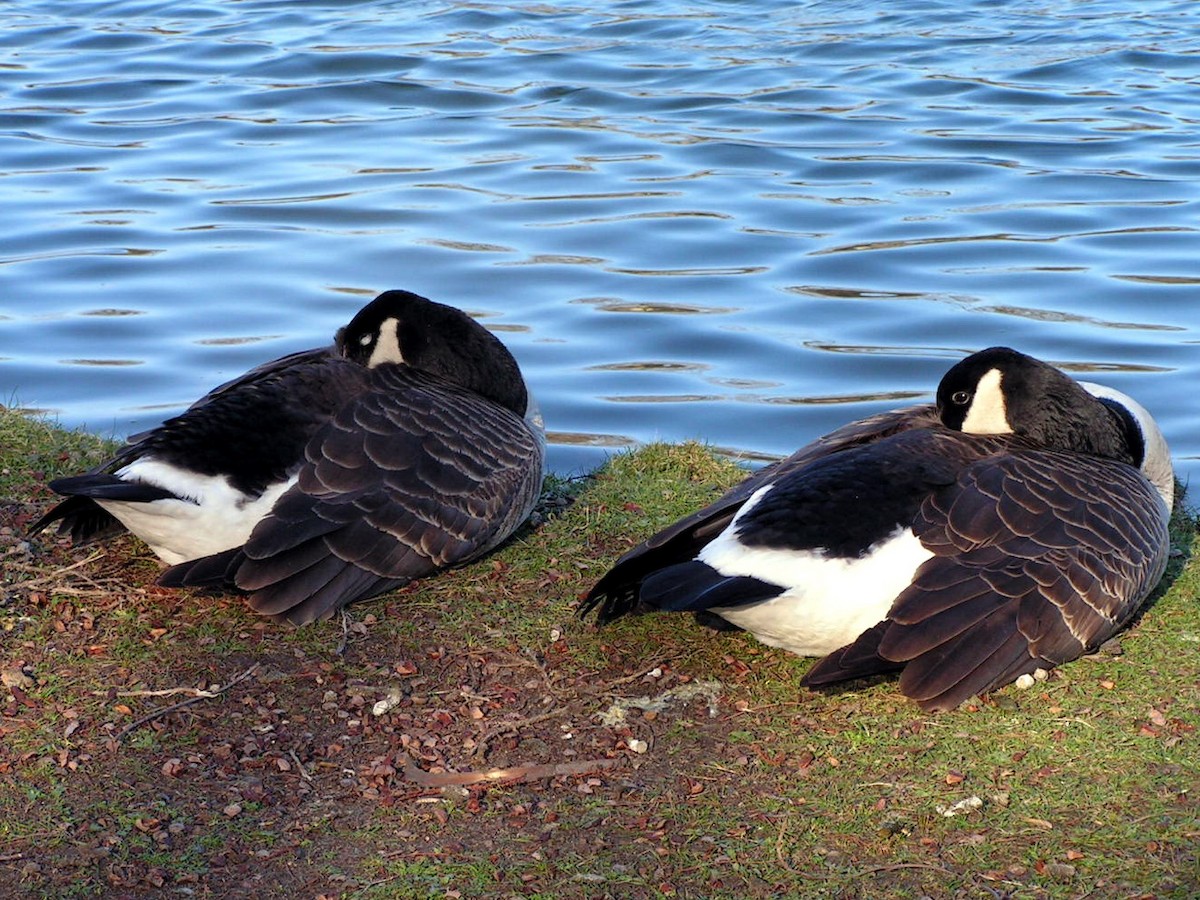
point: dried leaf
(16, 678)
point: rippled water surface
(743, 222)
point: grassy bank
(469, 737)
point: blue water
(742, 222)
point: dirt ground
(168, 742)
(470, 737)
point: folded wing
(1039, 558)
(616, 593)
(413, 476)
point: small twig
(857, 873)
(165, 692)
(165, 710)
(340, 649)
(870, 870)
(509, 727)
(607, 686)
(299, 765)
(874, 870)
(515, 773)
(779, 845)
(71, 591)
(371, 885)
(51, 576)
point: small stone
(1024, 683)
(966, 805)
(637, 745)
(232, 810)
(391, 701)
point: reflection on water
(747, 223)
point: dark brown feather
(392, 491)
(1039, 557)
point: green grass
(1086, 783)
(33, 448)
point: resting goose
(333, 474)
(1015, 525)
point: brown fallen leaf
(16, 678)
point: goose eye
(960, 398)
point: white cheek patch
(387, 348)
(988, 413)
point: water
(741, 222)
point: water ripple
(745, 223)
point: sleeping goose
(334, 474)
(1016, 525)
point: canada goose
(1017, 524)
(334, 474)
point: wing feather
(616, 593)
(412, 476)
(1064, 549)
(298, 391)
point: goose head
(402, 328)
(1002, 391)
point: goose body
(332, 474)
(1015, 525)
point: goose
(1014, 525)
(334, 474)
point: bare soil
(469, 737)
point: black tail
(80, 517)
